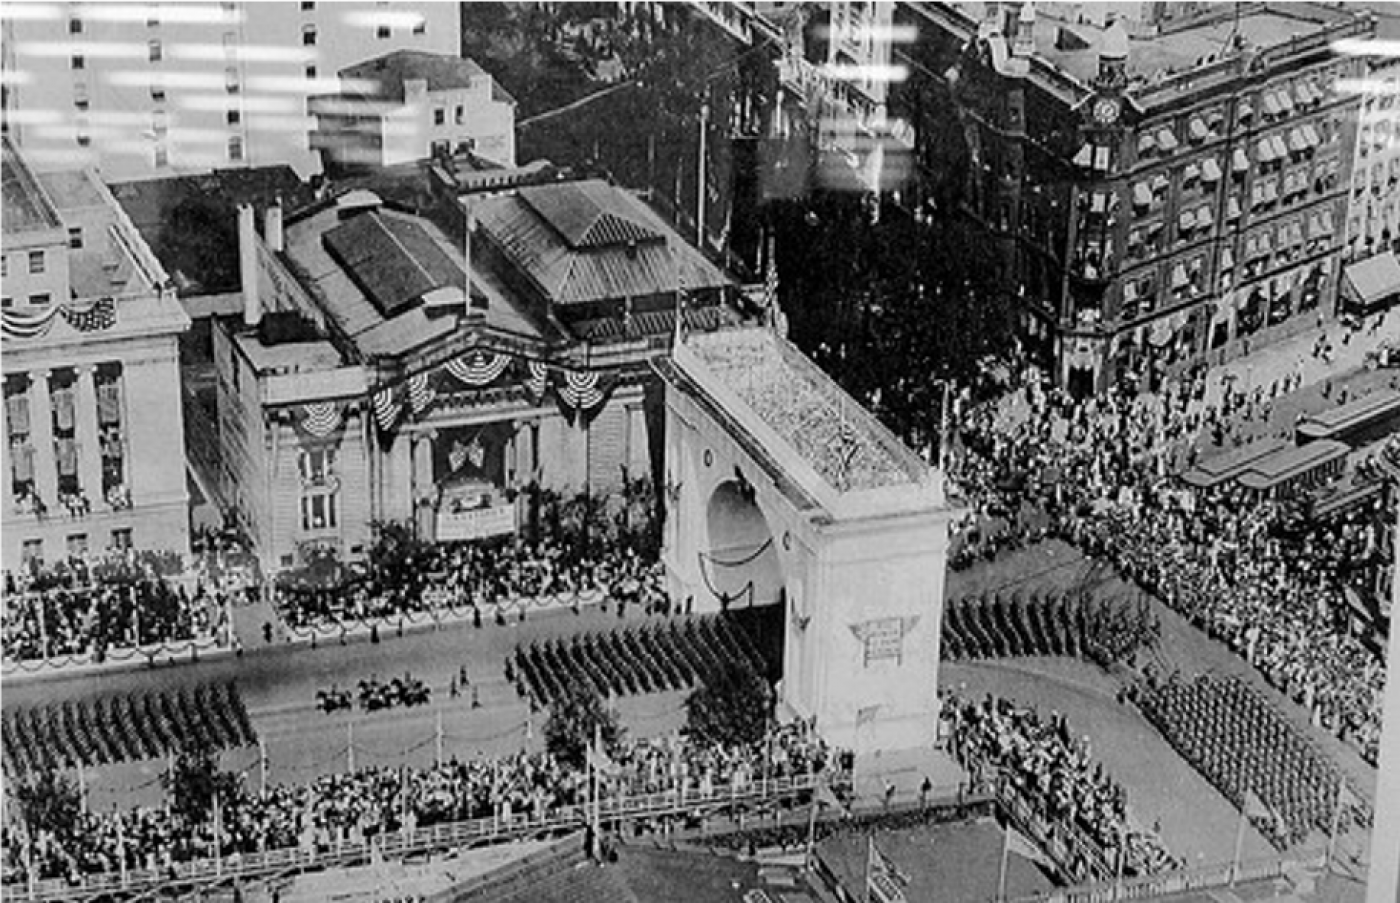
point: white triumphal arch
(782, 488)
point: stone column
(41, 437)
(7, 484)
(424, 491)
(89, 442)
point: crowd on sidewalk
(1098, 473)
(335, 809)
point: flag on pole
(885, 882)
(1021, 845)
(770, 278)
(681, 298)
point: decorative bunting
(97, 316)
(387, 408)
(478, 368)
(16, 324)
(580, 390)
(321, 418)
(538, 381)
(421, 393)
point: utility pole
(700, 177)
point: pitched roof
(589, 241)
(442, 72)
(26, 207)
(393, 259)
(1375, 277)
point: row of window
(39, 260)
(32, 550)
(1274, 104)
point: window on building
(84, 138)
(154, 50)
(32, 551)
(75, 25)
(231, 79)
(420, 27)
(78, 61)
(40, 299)
(308, 35)
(121, 538)
(75, 238)
(153, 17)
(7, 303)
(308, 6)
(439, 116)
(81, 105)
(382, 32)
(77, 545)
(311, 71)
(158, 91)
(318, 511)
(316, 465)
(36, 262)
(461, 114)
(234, 117)
(4, 265)
(235, 149)
(162, 156)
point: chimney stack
(272, 227)
(248, 264)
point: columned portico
(41, 422)
(89, 443)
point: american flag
(460, 454)
(884, 882)
(770, 280)
(97, 316)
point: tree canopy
(194, 782)
(49, 801)
(573, 718)
(731, 708)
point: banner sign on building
(476, 523)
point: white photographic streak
(167, 79)
(1366, 47)
(1367, 86)
(184, 13)
(15, 77)
(248, 103)
(866, 73)
(248, 53)
(29, 11)
(284, 84)
(376, 18)
(94, 49)
(32, 117)
(894, 34)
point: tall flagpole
(869, 859)
(1239, 839)
(1336, 824)
(1005, 855)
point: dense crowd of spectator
(1051, 770)
(1096, 472)
(118, 600)
(358, 806)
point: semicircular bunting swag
(388, 405)
(421, 392)
(320, 418)
(581, 389)
(25, 325)
(478, 368)
(537, 382)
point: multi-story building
(1373, 220)
(1165, 193)
(370, 379)
(407, 105)
(94, 453)
(156, 89)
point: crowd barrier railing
(1175, 882)
(404, 842)
(119, 658)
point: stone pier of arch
(782, 488)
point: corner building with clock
(1167, 182)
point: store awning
(1280, 148)
(1232, 208)
(1270, 104)
(1187, 221)
(1146, 143)
(1327, 222)
(1265, 151)
(1266, 244)
(1204, 218)
(1302, 95)
(1179, 279)
(1246, 111)
(1375, 279)
(1210, 170)
(1227, 259)
(1315, 227)
(1295, 232)
(1251, 247)
(1142, 195)
(1162, 332)
(1191, 173)
(1160, 183)
(1166, 140)
(1240, 161)
(1085, 157)
(1296, 142)
(1270, 191)
(1197, 129)
(1130, 291)
(1285, 103)
(1311, 136)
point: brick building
(1166, 192)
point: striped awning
(1179, 279)
(1280, 149)
(1227, 259)
(1187, 221)
(1191, 173)
(1197, 129)
(1271, 107)
(1166, 140)
(1264, 151)
(1142, 195)
(1204, 218)
(1232, 208)
(1240, 161)
(1296, 142)
(1146, 143)
(1210, 170)
(1311, 136)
